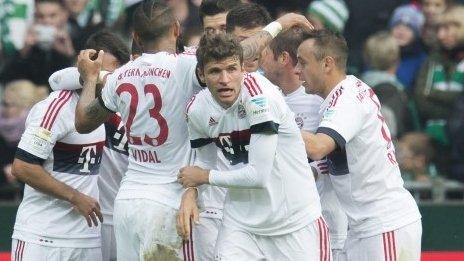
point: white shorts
(108, 242)
(25, 251)
(145, 229)
(311, 243)
(403, 244)
(204, 236)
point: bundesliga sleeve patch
(259, 106)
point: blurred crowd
(410, 52)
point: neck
(332, 81)
(289, 82)
(163, 45)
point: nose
(224, 77)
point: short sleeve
(262, 109)
(198, 138)
(45, 124)
(108, 97)
(65, 79)
(343, 119)
(187, 73)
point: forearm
(317, 145)
(89, 113)
(38, 178)
(254, 175)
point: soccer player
(244, 21)
(278, 63)
(150, 94)
(272, 209)
(115, 153)
(383, 218)
(60, 168)
(213, 14)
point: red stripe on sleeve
(50, 106)
(256, 85)
(57, 111)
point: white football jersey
(51, 140)
(114, 165)
(363, 169)
(306, 108)
(150, 93)
(115, 152)
(287, 199)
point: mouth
(225, 92)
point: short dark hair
(287, 41)
(248, 16)
(218, 47)
(214, 7)
(109, 42)
(152, 20)
(329, 43)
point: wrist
(72, 197)
(191, 192)
(206, 176)
(274, 28)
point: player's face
(309, 69)
(224, 79)
(214, 24)
(270, 66)
(109, 63)
(241, 34)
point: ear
(284, 58)
(176, 29)
(201, 74)
(137, 40)
(328, 64)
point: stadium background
(437, 186)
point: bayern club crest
(299, 122)
(241, 111)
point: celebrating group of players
(204, 153)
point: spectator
(415, 152)
(441, 79)
(13, 25)
(382, 55)
(329, 14)
(47, 47)
(406, 26)
(17, 99)
(366, 17)
(87, 17)
(432, 10)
